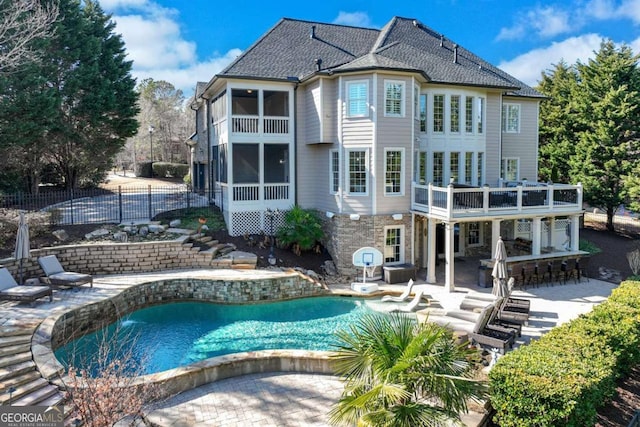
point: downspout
(207, 120)
(191, 162)
(295, 143)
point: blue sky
(185, 41)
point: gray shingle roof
(291, 49)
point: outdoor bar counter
(558, 255)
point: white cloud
(529, 66)
(545, 21)
(185, 78)
(549, 21)
(355, 19)
(167, 55)
(112, 5)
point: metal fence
(98, 206)
(622, 223)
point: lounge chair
(401, 298)
(413, 304)
(492, 336)
(478, 300)
(10, 290)
(58, 277)
(478, 326)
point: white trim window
(454, 167)
(511, 118)
(358, 98)
(438, 168)
(334, 171)
(393, 173)
(393, 98)
(480, 118)
(480, 173)
(511, 168)
(423, 113)
(394, 244)
(468, 168)
(438, 113)
(358, 171)
(468, 114)
(454, 114)
(474, 234)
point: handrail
(453, 202)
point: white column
(575, 232)
(431, 250)
(495, 235)
(552, 232)
(536, 234)
(448, 257)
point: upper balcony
(457, 202)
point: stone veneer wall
(88, 318)
(344, 237)
(113, 258)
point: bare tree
(21, 23)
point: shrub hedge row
(565, 376)
(170, 170)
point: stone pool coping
(158, 288)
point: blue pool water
(177, 334)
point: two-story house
(402, 139)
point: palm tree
(400, 373)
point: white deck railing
(451, 203)
(252, 192)
(254, 125)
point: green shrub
(565, 376)
(170, 170)
(302, 228)
(143, 169)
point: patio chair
(478, 300)
(513, 313)
(413, 304)
(403, 297)
(478, 326)
(492, 336)
(57, 276)
(582, 264)
(11, 291)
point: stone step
(53, 400)
(204, 239)
(16, 369)
(23, 390)
(18, 380)
(14, 340)
(13, 330)
(37, 396)
(15, 359)
(15, 349)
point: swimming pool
(178, 334)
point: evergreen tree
(608, 105)
(97, 98)
(559, 125)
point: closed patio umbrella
(23, 248)
(499, 271)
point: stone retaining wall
(91, 317)
(63, 327)
(114, 258)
